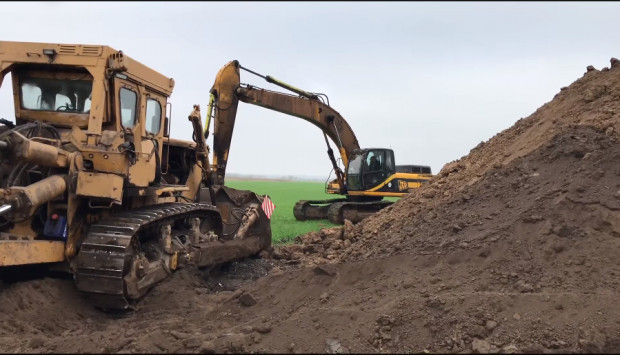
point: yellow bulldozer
(91, 179)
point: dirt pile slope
(529, 219)
(512, 248)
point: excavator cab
(369, 168)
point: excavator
(369, 174)
(92, 183)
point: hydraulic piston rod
(284, 85)
(24, 201)
(5, 208)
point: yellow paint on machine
(375, 193)
(21, 252)
(407, 177)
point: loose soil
(510, 249)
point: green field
(284, 194)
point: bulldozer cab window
(52, 94)
(87, 102)
(153, 116)
(128, 100)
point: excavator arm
(228, 91)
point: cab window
(389, 162)
(53, 94)
(128, 100)
(354, 178)
(153, 116)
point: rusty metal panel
(21, 252)
(107, 162)
(91, 184)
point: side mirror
(166, 127)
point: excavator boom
(228, 91)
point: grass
(284, 194)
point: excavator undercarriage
(337, 210)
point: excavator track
(354, 211)
(337, 210)
(314, 209)
(107, 253)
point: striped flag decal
(268, 206)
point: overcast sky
(430, 80)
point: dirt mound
(512, 248)
(529, 219)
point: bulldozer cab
(110, 106)
(90, 176)
(369, 168)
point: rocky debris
(333, 346)
(480, 346)
(247, 299)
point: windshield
(52, 94)
(355, 166)
(354, 180)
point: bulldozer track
(106, 253)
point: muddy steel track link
(354, 211)
(106, 253)
(313, 209)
